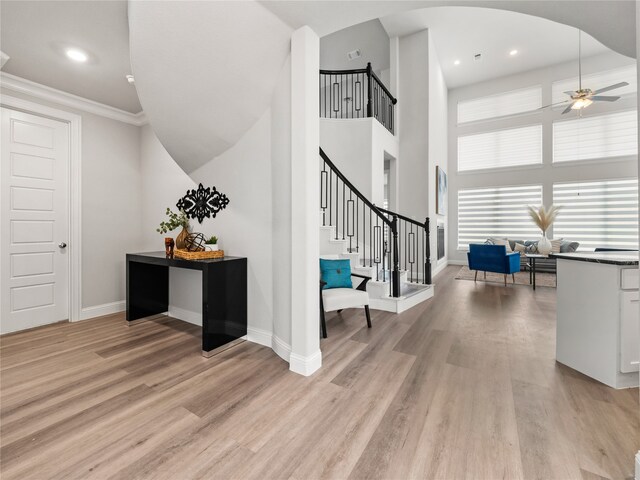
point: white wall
(357, 147)
(255, 175)
(548, 173)
(369, 37)
(413, 114)
(111, 203)
(438, 109)
(281, 205)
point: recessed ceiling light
(76, 55)
(130, 79)
(457, 62)
(513, 52)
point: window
(597, 137)
(503, 104)
(496, 212)
(598, 214)
(595, 81)
(502, 148)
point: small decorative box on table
(187, 255)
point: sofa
(531, 246)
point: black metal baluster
(357, 228)
(329, 194)
(370, 238)
(344, 206)
(350, 219)
(337, 207)
(323, 192)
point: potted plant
(212, 243)
(176, 220)
(543, 218)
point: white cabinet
(597, 330)
(630, 331)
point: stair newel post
(369, 91)
(396, 269)
(427, 258)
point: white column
(305, 204)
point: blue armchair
(493, 258)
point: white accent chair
(337, 299)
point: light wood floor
(463, 386)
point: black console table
(224, 294)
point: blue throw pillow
(337, 273)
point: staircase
(388, 247)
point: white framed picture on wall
(441, 191)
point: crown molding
(37, 90)
(4, 58)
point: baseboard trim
(185, 315)
(269, 339)
(259, 336)
(282, 348)
(88, 313)
(440, 267)
(305, 365)
(457, 262)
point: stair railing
(357, 93)
(356, 220)
(416, 240)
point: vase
(212, 247)
(181, 239)
(544, 245)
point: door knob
(62, 245)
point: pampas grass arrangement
(543, 217)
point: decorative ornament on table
(212, 244)
(203, 202)
(168, 246)
(543, 218)
(195, 242)
(175, 220)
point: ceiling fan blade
(604, 98)
(611, 87)
(568, 109)
(554, 104)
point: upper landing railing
(356, 94)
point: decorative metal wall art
(203, 202)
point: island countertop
(611, 258)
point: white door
(34, 221)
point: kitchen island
(598, 315)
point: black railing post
(427, 259)
(369, 91)
(395, 279)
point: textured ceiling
(35, 35)
(459, 33)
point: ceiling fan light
(581, 103)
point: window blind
(595, 81)
(500, 105)
(598, 214)
(596, 137)
(496, 212)
(501, 148)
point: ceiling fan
(583, 97)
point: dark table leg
(147, 290)
(533, 263)
(224, 305)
